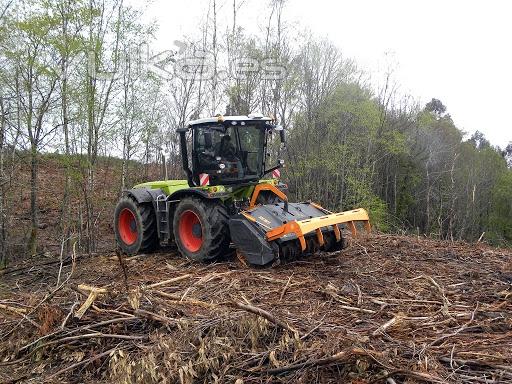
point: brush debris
(400, 309)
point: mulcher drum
(251, 230)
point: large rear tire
(201, 230)
(135, 227)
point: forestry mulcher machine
(226, 202)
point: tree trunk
(34, 162)
(65, 216)
(3, 252)
(427, 224)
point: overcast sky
(457, 51)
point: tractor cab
(227, 150)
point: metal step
(162, 212)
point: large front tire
(135, 227)
(201, 230)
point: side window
(209, 145)
(200, 139)
(206, 139)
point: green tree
(500, 223)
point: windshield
(251, 148)
(229, 154)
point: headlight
(222, 166)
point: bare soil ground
(386, 310)
(51, 184)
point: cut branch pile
(399, 309)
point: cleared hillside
(408, 309)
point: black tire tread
(216, 240)
(145, 211)
(149, 232)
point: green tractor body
(227, 203)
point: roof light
(255, 116)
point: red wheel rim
(191, 231)
(127, 227)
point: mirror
(283, 137)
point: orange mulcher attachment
(303, 227)
(268, 232)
